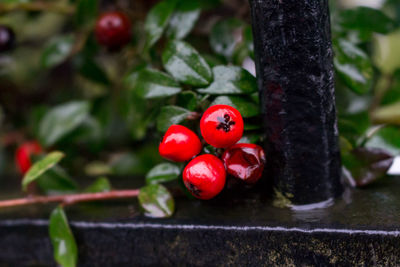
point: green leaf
(41, 167)
(231, 80)
(65, 249)
(245, 107)
(225, 36)
(387, 114)
(188, 100)
(366, 20)
(164, 172)
(57, 51)
(185, 64)
(86, 11)
(61, 120)
(56, 181)
(149, 83)
(170, 115)
(157, 20)
(89, 69)
(156, 201)
(101, 184)
(367, 165)
(353, 66)
(387, 138)
(183, 19)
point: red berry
(221, 126)
(24, 153)
(113, 29)
(204, 176)
(179, 144)
(7, 38)
(245, 161)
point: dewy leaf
(245, 107)
(170, 115)
(157, 19)
(353, 66)
(86, 11)
(225, 36)
(101, 184)
(65, 249)
(185, 64)
(183, 19)
(387, 114)
(61, 120)
(149, 83)
(163, 172)
(366, 19)
(156, 201)
(41, 167)
(231, 80)
(57, 51)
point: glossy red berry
(24, 153)
(245, 161)
(7, 38)
(204, 176)
(221, 126)
(179, 144)
(113, 29)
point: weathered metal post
(296, 83)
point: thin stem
(37, 6)
(70, 199)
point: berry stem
(70, 199)
(37, 6)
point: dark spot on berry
(225, 123)
(250, 159)
(194, 189)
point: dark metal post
(295, 78)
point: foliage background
(107, 110)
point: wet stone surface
(241, 227)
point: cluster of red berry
(204, 176)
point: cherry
(245, 161)
(7, 38)
(221, 126)
(179, 144)
(24, 153)
(204, 176)
(113, 30)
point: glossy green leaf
(149, 83)
(183, 19)
(170, 115)
(56, 181)
(387, 114)
(366, 19)
(353, 66)
(387, 138)
(101, 184)
(65, 249)
(156, 201)
(57, 51)
(244, 106)
(231, 80)
(185, 64)
(157, 20)
(163, 172)
(225, 36)
(41, 167)
(86, 11)
(61, 120)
